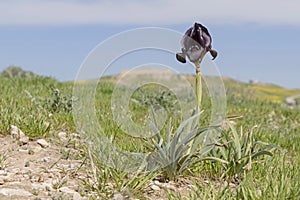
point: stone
(24, 140)
(66, 190)
(43, 143)
(14, 192)
(156, 182)
(170, 187)
(18, 134)
(118, 196)
(3, 173)
(15, 171)
(155, 187)
(62, 135)
(76, 196)
(2, 181)
(42, 186)
(23, 150)
(15, 132)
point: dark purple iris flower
(196, 42)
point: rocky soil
(41, 169)
(55, 169)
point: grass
(3, 161)
(28, 104)
(21, 105)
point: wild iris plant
(177, 150)
(196, 42)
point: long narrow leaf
(174, 143)
(181, 127)
(260, 153)
(193, 134)
(168, 134)
(216, 159)
(155, 130)
(236, 140)
(266, 145)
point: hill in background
(251, 90)
(16, 72)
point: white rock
(1, 181)
(24, 139)
(118, 196)
(170, 187)
(23, 150)
(15, 132)
(155, 187)
(76, 196)
(15, 171)
(3, 173)
(14, 192)
(43, 143)
(156, 182)
(66, 190)
(18, 134)
(41, 186)
(62, 135)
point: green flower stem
(198, 95)
(198, 90)
(198, 86)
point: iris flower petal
(196, 42)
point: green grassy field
(232, 169)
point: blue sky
(255, 39)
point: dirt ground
(41, 171)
